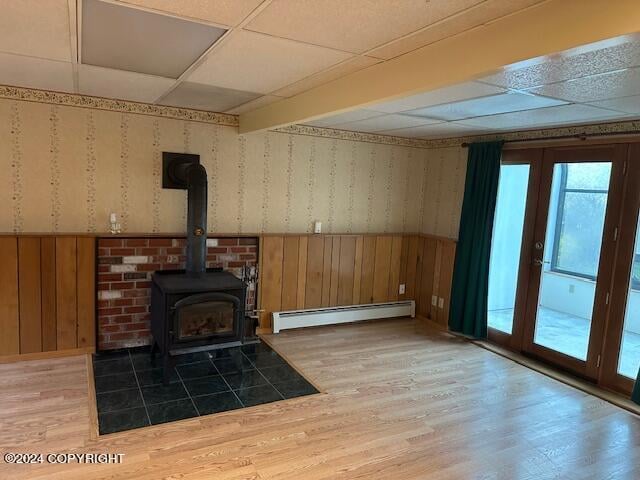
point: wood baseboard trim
(582, 385)
(46, 355)
(93, 403)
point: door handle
(538, 262)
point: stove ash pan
(188, 312)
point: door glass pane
(506, 244)
(575, 225)
(629, 361)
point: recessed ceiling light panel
(125, 38)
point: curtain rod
(581, 136)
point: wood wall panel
(346, 270)
(47, 294)
(315, 266)
(66, 293)
(311, 271)
(302, 271)
(357, 269)
(382, 265)
(394, 268)
(290, 273)
(271, 258)
(326, 272)
(9, 318)
(30, 294)
(86, 297)
(335, 271)
(368, 263)
(48, 279)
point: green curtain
(468, 311)
(635, 395)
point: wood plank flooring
(400, 402)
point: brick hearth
(124, 280)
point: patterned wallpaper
(65, 168)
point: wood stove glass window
(205, 319)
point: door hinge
(624, 168)
(598, 361)
(615, 234)
(606, 299)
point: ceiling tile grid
(340, 25)
(261, 63)
(206, 97)
(384, 122)
(235, 56)
(36, 28)
(110, 83)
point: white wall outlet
(441, 303)
(317, 227)
(402, 288)
(434, 300)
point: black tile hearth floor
(130, 393)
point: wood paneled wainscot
(310, 271)
(47, 294)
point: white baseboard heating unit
(314, 317)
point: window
(579, 218)
(635, 269)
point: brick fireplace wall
(124, 280)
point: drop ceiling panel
(454, 93)
(226, 12)
(384, 122)
(544, 117)
(106, 82)
(354, 26)
(259, 63)
(473, 17)
(207, 97)
(596, 60)
(352, 116)
(345, 68)
(253, 104)
(622, 83)
(123, 38)
(33, 72)
(626, 104)
(491, 105)
(35, 28)
(438, 130)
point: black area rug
(130, 393)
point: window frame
(557, 230)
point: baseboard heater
(314, 317)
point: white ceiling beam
(545, 29)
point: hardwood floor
(400, 402)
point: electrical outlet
(401, 290)
(440, 302)
(572, 288)
(434, 300)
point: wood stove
(195, 308)
(189, 312)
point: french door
(557, 241)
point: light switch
(401, 290)
(441, 302)
(434, 300)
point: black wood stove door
(206, 316)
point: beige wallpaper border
(123, 106)
(100, 103)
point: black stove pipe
(194, 176)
